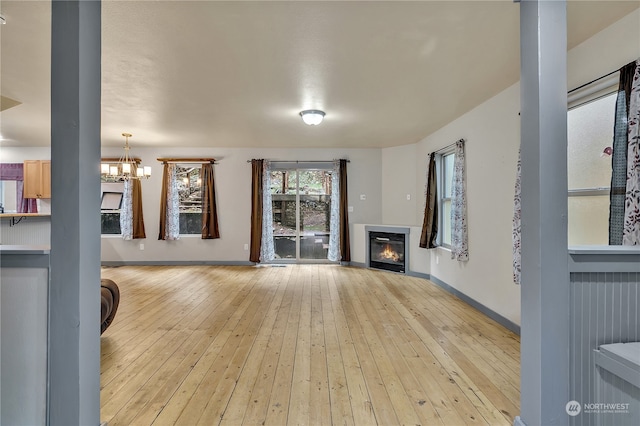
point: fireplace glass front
(387, 251)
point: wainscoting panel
(29, 231)
(604, 309)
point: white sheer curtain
(173, 204)
(126, 211)
(459, 237)
(267, 250)
(334, 223)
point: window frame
(441, 173)
(110, 212)
(587, 95)
(183, 214)
(297, 167)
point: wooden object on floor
(301, 344)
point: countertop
(25, 249)
(25, 215)
(604, 250)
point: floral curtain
(631, 232)
(459, 237)
(126, 211)
(267, 249)
(334, 221)
(619, 156)
(430, 221)
(517, 226)
(131, 217)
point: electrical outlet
(350, 209)
(246, 247)
(141, 246)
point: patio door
(301, 202)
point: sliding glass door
(301, 202)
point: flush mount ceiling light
(312, 117)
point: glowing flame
(387, 253)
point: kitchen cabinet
(37, 179)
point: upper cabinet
(37, 179)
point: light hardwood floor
(301, 345)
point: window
(301, 206)
(445, 165)
(190, 194)
(111, 196)
(590, 132)
(8, 198)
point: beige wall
(233, 192)
(385, 177)
(399, 185)
(492, 134)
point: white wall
(609, 50)
(398, 184)
(233, 192)
(13, 154)
(492, 132)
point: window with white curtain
(445, 166)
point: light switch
(363, 197)
(408, 197)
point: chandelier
(126, 167)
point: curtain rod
(117, 159)
(594, 80)
(187, 160)
(444, 148)
(299, 161)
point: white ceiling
(237, 73)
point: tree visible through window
(301, 202)
(190, 193)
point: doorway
(301, 205)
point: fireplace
(387, 249)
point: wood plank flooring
(301, 345)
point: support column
(74, 299)
(544, 386)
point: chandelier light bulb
(126, 168)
